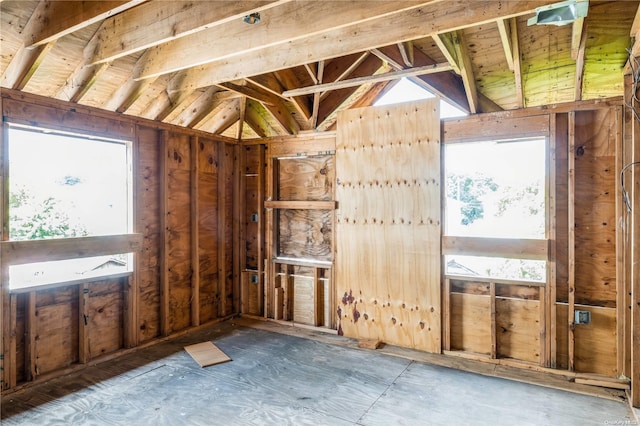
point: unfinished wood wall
(388, 224)
(529, 322)
(184, 274)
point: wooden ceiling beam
(339, 98)
(580, 61)
(288, 79)
(201, 108)
(577, 30)
(242, 117)
(221, 118)
(447, 85)
(255, 92)
(447, 46)
(282, 25)
(517, 63)
(455, 49)
(384, 57)
(256, 118)
(417, 23)
(504, 28)
(406, 51)
(54, 19)
(316, 96)
(158, 22)
(24, 65)
(353, 82)
(83, 77)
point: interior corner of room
(281, 181)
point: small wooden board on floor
(206, 354)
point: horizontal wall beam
(31, 251)
(301, 205)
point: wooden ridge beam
(394, 75)
(158, 22)
(283, 25)
(407, 25)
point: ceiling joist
(517, 63)
(433, 18)
(286, 24)
(411, 72)
(158, 22)
(504, 28)
(455, 50)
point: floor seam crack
(384, 392)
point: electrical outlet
(254, 217)
(254, 278)
(582, 317)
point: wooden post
(549, 307)
(31, 313)
(83, 329)
(13, 307)
(5, 303)
(572, 237)
(195, 233)
(317, 305)
(633, 187)
(238, 210)
(271, 249)
(620, 273)
(222, 221)
(262, 264)
(241, 206)
(494, 337)
(544, 354)
(164, 210)
(446, 314)
(132, 293)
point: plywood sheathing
(388, 225)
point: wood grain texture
(518, 329)
(388, 224)
(470, 325)
(305, 234)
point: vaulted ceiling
(198, 64)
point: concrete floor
(277, 379)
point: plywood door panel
(388, 224)
(518, 329)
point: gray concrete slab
(275, 379)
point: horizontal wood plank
(496, 247)
(301, 205)
(31, 251)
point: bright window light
(65, 186)
(407, 91)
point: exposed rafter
(456, 52)
(411, 72)
(317, 95)
(580, 60)
(504, 28)
(158, 22)
(416, 23)
(517, 62)
(310, 20)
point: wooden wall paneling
(518, 325)
(195, 233)
(571, 257)
(207, 237)
(388, 169)
(494, 126)
(595, 218)
(178, 157)
(244, 207)
(549, 306)
(270, 293)
(317, 297)
(105, 316)
(305, 234)
(306, 178)
(470, 323)
(222, 212)
(627, 151)
(57, 328)
(150, 222)
(561, 195)
(84, 354)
